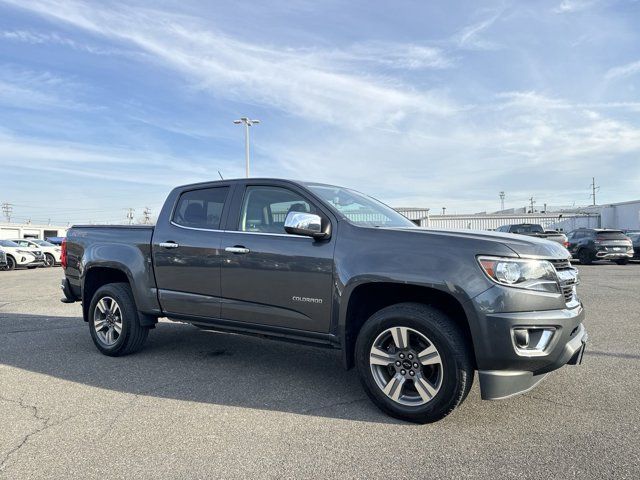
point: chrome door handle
(237, 250)
(169, 245)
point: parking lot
(196, 404)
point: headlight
(538, 275)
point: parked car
(51, 251)
(635, 239)
(21, 257)
(416, 311)
(533, 230)
(55, 240)
(557, 237)
(3, 260)
(589, 244)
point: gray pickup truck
(416, 311)
(534, 230)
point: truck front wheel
(113, 321)
(413, 362)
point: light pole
(247, 123)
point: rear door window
(201, 208)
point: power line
(147, 215)
(594, 189)
(130, 215)
(7, 208)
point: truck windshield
(360, 209)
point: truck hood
(521, 245)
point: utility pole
(130, 215)
(247, 122)
(532, 203)
(147, 215)
(444, 209)
(594, 189)
(7, 208)
(502, 195)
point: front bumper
(501, 384)
(613, 255)
(505, 368)
(36, 263)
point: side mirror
(306, 224)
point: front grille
(561, 264)
(38, 255)
(568, 286)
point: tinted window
(265, 208)
(201, 208)
(527, 229)
(8, 243)
(613, 235)
(42, 243)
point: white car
(51, 252)
(18, 256)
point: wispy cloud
(27, 89)
(412, 118)
(408, 56)
(623, 71)
(571, 6)
(54, 38)
(470, 36)
(302, 85)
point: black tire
(49, 259)
(585, 257)
(11, 263)
(622, 261)
(133, 335)
(443, 333)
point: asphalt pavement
(197, 404)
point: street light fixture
(247, 123)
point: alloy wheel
(107, 321)
(406, 366)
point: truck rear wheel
(413, 362)
(113, 321)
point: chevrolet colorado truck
(416, 311)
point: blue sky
(107, 105)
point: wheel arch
(367, 298)
(96, 277)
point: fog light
(532, 341)
(521, 337)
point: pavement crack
(37, 415)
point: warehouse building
(623, 216)
(29, 230)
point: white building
(30, 230)
(623, 215)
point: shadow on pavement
(182, 362)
